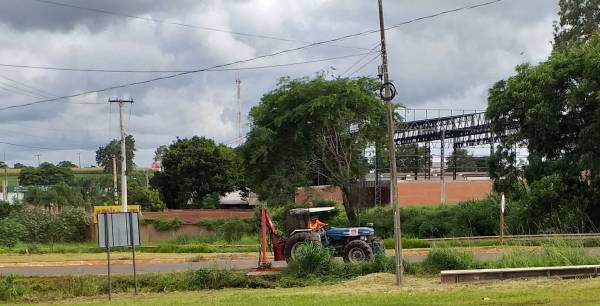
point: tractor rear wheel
(357, 250)
(293, 244)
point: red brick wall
(410, 193)
(429, 192)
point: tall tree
(309, 127)
(557, 107)
(192, 169)
(105, 154)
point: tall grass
(556, 253)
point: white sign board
(119, 230)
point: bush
(210, 201)
(76, 222)
(231, 229)
(36, 222)
(9, 290)
(11, 232)
(447, 259)
(147, 198)
(311, 260)
(162, 224)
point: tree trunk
(349, 205)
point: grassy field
(378, 289)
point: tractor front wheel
(293, 244)
(357, 250)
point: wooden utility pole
(123, 150)
(389, 92)
(115, 190)
(5, 182)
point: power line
(359, 60)
(244, 60)
(38, 90)
(178, 71)
(365, 64)
(205, 28)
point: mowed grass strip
(379, 289)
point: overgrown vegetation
(36, 225)
(231, 229)
(163, 224)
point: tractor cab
(300, 219)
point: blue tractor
(354, 244)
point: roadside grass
(376, 289)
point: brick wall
(410, 193)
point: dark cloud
(447, 62)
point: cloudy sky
(446, 62)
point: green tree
(313, 127)
(409, 158)
(18, 166)
(105, 154)
(193, 168)
(66, 164)
(45, 175)
(578, 20)
(147, 198)
(3, 165)
(59, 196)
(463, 161)
(158, 153)
(557, 108)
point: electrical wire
(205, 28)
(243, 60)
(178, 71)
(365, 64)
(359, 60)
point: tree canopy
(193, 169)
(105, 154)
(46, 174)
(556, 106)
(66, 164)
(578, 20)
(309, 128)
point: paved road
(182, 266)
(158, 267)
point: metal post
(416, 162)
(107, 241)
(442, 170)
(454, 160)
(392, 153)
(135, 282)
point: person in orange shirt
(316, 224)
